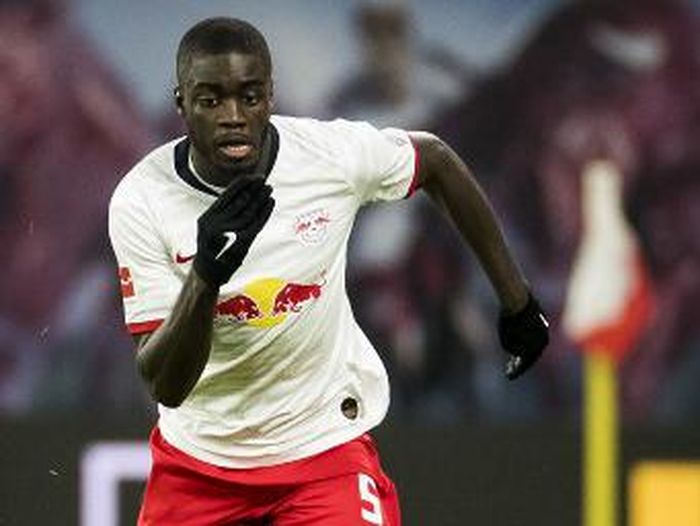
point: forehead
(226, 69)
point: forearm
(172, 359)
(451, 184)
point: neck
(195, 172)
(207, 172)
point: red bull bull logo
(267, 302)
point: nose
(232, 113)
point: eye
(251, 98)
(207, 101)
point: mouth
(234, 148)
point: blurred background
(527, 91)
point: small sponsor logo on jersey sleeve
(126, 283)
(397, 141)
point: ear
(271, 100)
(179, 101)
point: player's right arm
(171, 358)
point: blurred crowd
(613, 79)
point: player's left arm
(523, 328)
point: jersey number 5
(372, 508)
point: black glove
(228, 227)
(524, 335)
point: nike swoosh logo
(230, 240)
(180, 259)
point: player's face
(226, 104)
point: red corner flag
(609, 300)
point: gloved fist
(523, 335)
(228, 227)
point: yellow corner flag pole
(600, 440)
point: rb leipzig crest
(311, 227)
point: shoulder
(143, 179)
(322, 134)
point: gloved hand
(523, 335)
(228, 227)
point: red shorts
(344, 486)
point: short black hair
(219, 35)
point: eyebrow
(207, 85)
(219, 87)
(252, 84)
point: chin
(236, 165)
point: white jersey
(286, 350)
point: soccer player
(231, 244)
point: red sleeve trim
(415, 181)
(144, 326)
